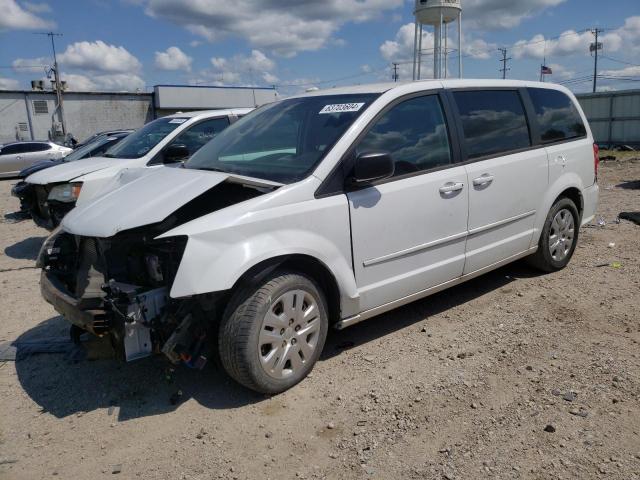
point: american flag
(546, 70)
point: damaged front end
(113, 276)
(119, 288)
(46, 204)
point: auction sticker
(342, 108)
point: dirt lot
(513, 375)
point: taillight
(596, 161)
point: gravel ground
(512, 375)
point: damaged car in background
(165, 141)
(26, 192)
(322, 210)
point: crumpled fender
(223, 245)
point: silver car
(18, 155)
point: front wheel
(559, 237)
(272, 334)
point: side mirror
(175, 153)
(372, 166)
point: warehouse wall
(85, 113)
(614, 116)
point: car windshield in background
(141, 141)
(94, 148)
(284, 141)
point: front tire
(559, 237)
(272, 334)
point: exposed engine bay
(119, 286)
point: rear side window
(493, 121)
(39, 147)
(414, 132)
(12, 149)
(557, 115)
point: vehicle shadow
(387, 323)
(26, 249)
(630, 185)
(63, 386)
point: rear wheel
(559, 237)
(272, 334)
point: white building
(31, 114)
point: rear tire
(559, 237)
(272, 334)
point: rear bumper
(52, 290)
(590, 196)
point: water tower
(439, 14)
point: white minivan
(172, 139)
(323, 210)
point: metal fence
(614, 116)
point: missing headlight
(154, 269)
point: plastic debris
(611, 244)
(616, 265)
(601, 222)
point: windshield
(284, 141)
(140, 142)
(92, 149)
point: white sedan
(18, 155)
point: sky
(132, 45)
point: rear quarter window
(557, 115)
(493, 122)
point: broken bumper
(94, 321)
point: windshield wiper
(212, 169)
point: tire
(265, 342)
(550, 259)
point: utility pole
(594, 47)
(395, 75)
(58, 85)
(504, 61)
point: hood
(36, 167)
(144, 199)
(70, 170)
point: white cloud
(92, 66)
(9, 84)
(625, 38)
(502, 14)
(633, 71)
(15, 17)
(284, 27)
(108, 82)
(240, 69)
(173, 59)
(99, 57)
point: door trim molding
(500, 223)
(347, 322)
(412, 250)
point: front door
(409, 231)
(506, 176)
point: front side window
(557, 116)
(493, 122)
(283, 141)
(414, 133)
(140, 142)
(198, 135)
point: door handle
(451, 187)
(19, 157)
(483, 180)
